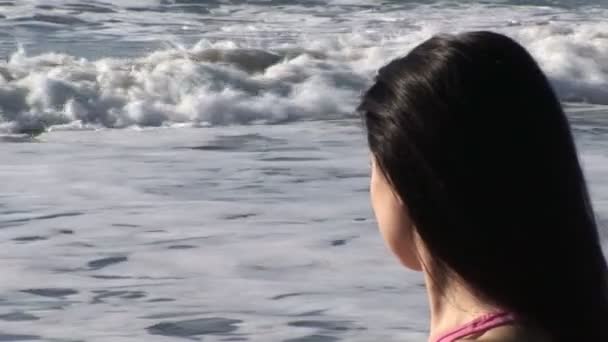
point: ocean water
(201, 174)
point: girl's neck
(452, 306)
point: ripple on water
(310, 313)
(169, 315)
(110, 277)
(125, 225)
(13, 337)
(29, 238)
(55, 19)
(161, 300)
(314, 338)
(51, 292)
(18, 316)
(289, 295)
(103, 295)
(181, 247)
(277, 269)
(195, 327)
(325, 328)
(290, 159)
(239, 143)
(22, 221)
(324, 325)
(105, 262)
(239, 216)
(90, 8)
(339, 242)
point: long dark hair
(473, 138)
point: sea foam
(224, 82)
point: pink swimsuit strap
(479, 325)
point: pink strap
(479, 325)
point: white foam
(172, 86)
(315, 74)
(575, 58)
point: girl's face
(393, 219)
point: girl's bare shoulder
(511, 333)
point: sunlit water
(204, 176)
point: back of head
(472, 137)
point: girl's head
(474, 164)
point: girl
(476, 182)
